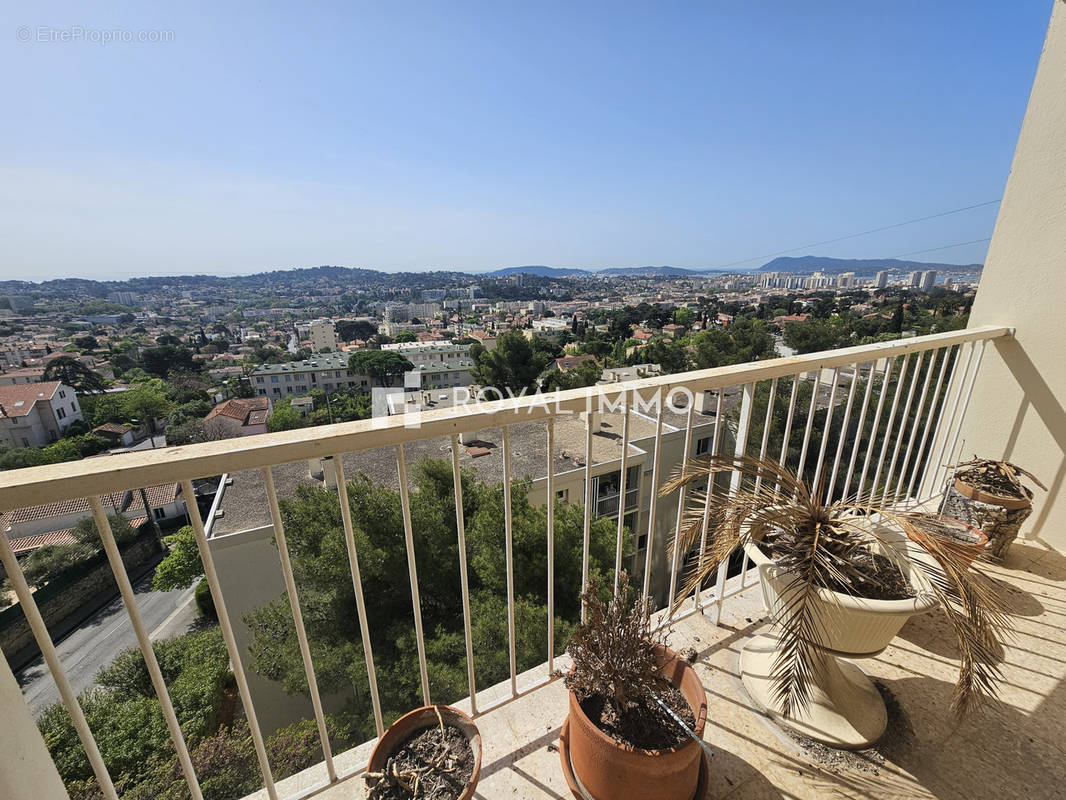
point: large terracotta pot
(413, 723)
(609, 770)
(845, 709)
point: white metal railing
(934, 428)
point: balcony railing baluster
(412, 570)
(901, 478)
(873, 430)
(587, 524)
(227, 635)
(902, 425)
(509, 553)
(828, 427)
(715, 440)
(843, 431)
(675, 555)
(810, 422)
(860, 425)
(953, 456)
(956, 383)
(48, 652)
(298, 620)
(622, 498)
(888, 425)
(649, 542)
(144, 641)
(357, 585)
(929, 421)
(550, 479)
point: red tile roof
(17, 400)
(240, 409)
(27, 543)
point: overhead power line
(942, 247)
(866, 233)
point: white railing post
(509, 554)
(412, 571)
(227, 635)
(144, 641)
(653, 507)
(357, 586)
(48, 652)
(622, 489)
(551, 545)
(298, 621)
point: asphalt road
(103, 636)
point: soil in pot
(873, 576)
(442, 769)
(645, 726)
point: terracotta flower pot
(981, 496)
(609, 770)
(966, 541)
(413, 723)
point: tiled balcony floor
(1016, 748)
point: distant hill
(860, 266)
(542, 271)
(560, 272)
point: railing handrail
(32, 486)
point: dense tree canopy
(70, 371)
(384, 366)
(320, 564)
(515, 363)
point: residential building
(124, 298)
(323, 335)
(881, 281)
(241, 416)
(928, 280)
(327, 371)
(569, 362)
(916, 279)
(36, 414)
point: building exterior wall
(1016, 411)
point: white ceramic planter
(845, 710)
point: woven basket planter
(999, 524)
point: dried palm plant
(842, 546)
(998, 477)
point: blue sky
(478, 135)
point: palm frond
(830, 545)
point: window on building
(158, 513)
(703, 446)
(62, 395)
(262, 392)
(288, 379)
(642, 542)
(61, 412)
(277, 390)
(74, 407)
(288, 390)
(562, 495)
(259, 380)
(273, 378)
(25, 442)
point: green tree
(405, 336)
(384, 366)
(514, 363)
(182, 565)
(284, 417)
(587, 373)
(68, 370)
(350, 329)
(814, 335)
(745, 340)
(85, 342)
(320, 566)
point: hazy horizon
(470, 137)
